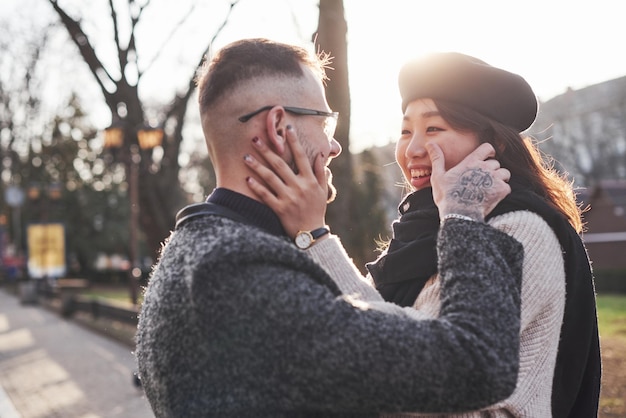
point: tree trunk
(331, 38)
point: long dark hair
(520, 155)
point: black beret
(451, 76)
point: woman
(459, 102)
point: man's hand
(472, 188)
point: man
(239, 320)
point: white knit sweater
(543, 301)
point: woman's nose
(416, 147)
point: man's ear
(276, 125)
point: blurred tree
(331, 38)
(55, 160)
(159, 193)
(370, 213)
(69, 180)
(118, 69)
(20, 111)
(355, 215)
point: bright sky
(554, 44)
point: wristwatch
(304, 239)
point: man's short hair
(250, 58)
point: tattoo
(472, 186)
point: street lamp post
(14, 196)
(147, 138)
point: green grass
(612, 315)
(116, 294)
(120, 294)
(611, 308)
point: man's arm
(339, 356)
(332, 256)
(470, 190)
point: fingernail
(247, 157)
(288, 127)
(255, 139)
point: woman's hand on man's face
(299, 200)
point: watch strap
(319, 232)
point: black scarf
(410, 260)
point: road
(52, 367)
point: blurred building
(605, 236)
(585, 131)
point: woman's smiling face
(422, 124)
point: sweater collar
(255, 212)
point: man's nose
(335, 148)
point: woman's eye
(433, 129)
(405, 132)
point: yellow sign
(46, 250)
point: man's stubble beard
(311, 155)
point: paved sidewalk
(51, 367)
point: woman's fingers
(268, 176)
(278, 168)
(301, 160)
(266, 192)
(293, 189)
(312, 174)
(483, 152)
(503, 174)
(437, 159)
(306, 168)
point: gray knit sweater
(239, 323)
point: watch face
(303, 240)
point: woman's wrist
(462, 215)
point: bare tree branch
(159, 197)
(87, 51)
(122, 53)
(133, 25)
(168, 38)
(176, 106)
(219, 30)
